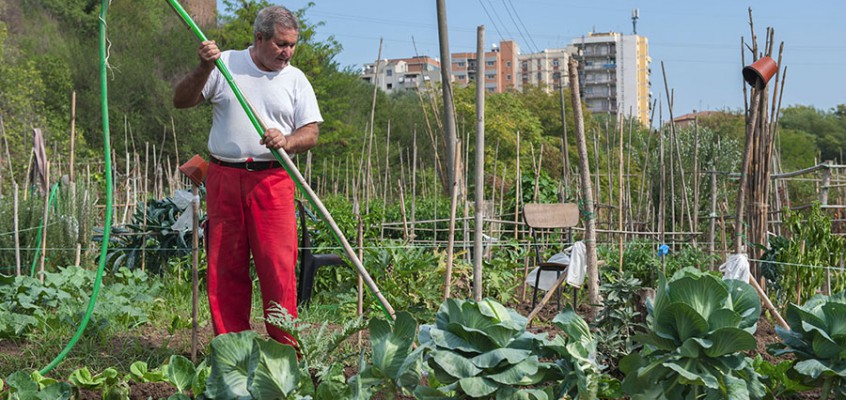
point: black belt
(250, 165)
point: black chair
(542, 220)
(310, 262)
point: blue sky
(698, 41)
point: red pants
(250, 212)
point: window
(461, 77)
(508, 77)
(461, 63)
(490, 76)
(555, 62)
(490, 63)
(389, 72)
(508, 64)
(390, 86)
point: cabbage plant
(482, 350)
(700, 325)
(817, 338)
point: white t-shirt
(282, 99)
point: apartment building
(401, 74)
(614, 73)
(547, 69)
(500, 67)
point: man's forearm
(302, 139)
(189, 91)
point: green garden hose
(107, 227)
(289, 166)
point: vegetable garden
(656, 317)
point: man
(249, 196)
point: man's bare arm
(301, 140)
(189, 91)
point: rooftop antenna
(635, 16)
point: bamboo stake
(414, 187)
(695, 226)
(195, 266)
(713, 217)
(44, 223)
(372, 123)
(620, 193)
(480, 164)
(17, 234)
(519, 191)
(564, 142)
(451, 234)
(590, 221)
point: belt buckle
(248, 167)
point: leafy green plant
(390, 348)
(107, 382)
(817, 338)
(27, 305)
(482, 350)
(33, 386)
(808, 242)
(575, 369)
(318, 346)
(700, 327)
(151, 235)
(245, 366)
(777, 379)
(617, 323)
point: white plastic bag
(736, 267)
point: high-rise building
(547, 69)
(403, 74)
(614, 73)
(500, 64)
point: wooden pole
(369, 138)
(620, 191)
(518, 182)
(453, 203)
(480, 163)
(590, 220)
(17, 234)
(713, 216)
(696, 180)
(195, 266)
(564, 141)
(44, 223)
(414, 187)
(446, 82)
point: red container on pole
(195, 169)
(760, 72)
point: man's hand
(274, 139)
(208, 53)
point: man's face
(274, 54)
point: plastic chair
(545, 219)
(310, 262)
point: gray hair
(269, 17)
